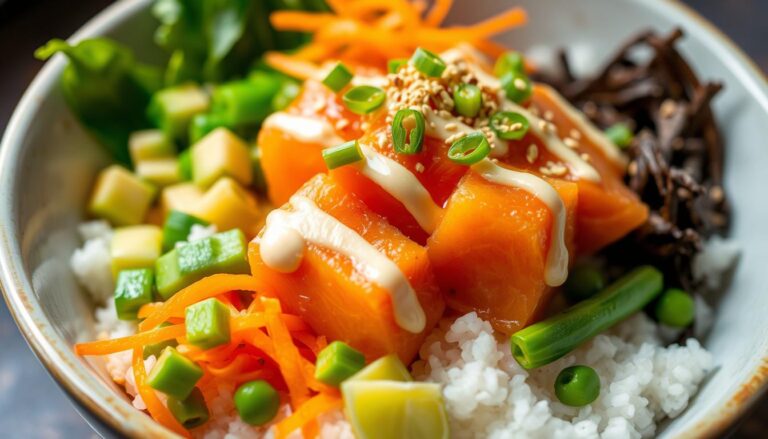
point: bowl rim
(116, 413)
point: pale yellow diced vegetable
(229, 206)
(161, 172)
(135, 247)
(150, 144)
(120, 197)
(218, 154)
(173, 108)
(183, 197)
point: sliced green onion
(408, 131)
(468, 99)
(190, 412)
(344, 154)
(620, 135)
(428, 63)
(393, 65)
(675, 308)
(546, 341)
(517, 86)
(337, 362)
(338, 78)
(509, 62)
(509, 125)
(363, 99)
(577, 386)
(470, 149)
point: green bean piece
(675, 308)
(577, 386)
(190, 412)
(550, 339)
(584, 281)
(134, 289)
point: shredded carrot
(300, 21)
(438, 12)
(286, 354)
(104, 347)
(309, 411)
(290, 66)
(494, 25)
(210, 286)
(154, 406)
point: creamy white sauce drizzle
(399, 182)
(286, 233)
(556, 270)
(578, 118)
(304, 128)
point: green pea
(577, 386)
(257, 402)
(584, 281)
(620, 135)
(675, 308)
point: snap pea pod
(553, 338)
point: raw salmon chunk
(335, 298)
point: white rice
(718, 256)
(488, 395)
(91, 262)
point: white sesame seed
(571, 143)
(532, 153)
(520, 84)
(549, 115)
(576, 134)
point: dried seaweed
(676, 156)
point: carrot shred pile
(265, 343)
(370, 32)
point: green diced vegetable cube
(191, 412)
(174, 374)
(197, 256)
(150, 144)
(245, 102)
(134, 289)
(160, 172)
(157, 348)
(177, 227)
(337, 362)
(120, 197)
(218, 154)
(168, 277)
(173, 108)
(135, 247)
(202, 124)
(231, 253)
(207, 324)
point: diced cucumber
(173, 108)
(183, 197)
(229, 206)
(221, 253)
(120, 197)
(245, 102)
(150, 144)
(177, 226)
(160, 172)
(218, 154)
(135, 247)
(134, 289)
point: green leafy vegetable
(106, 88)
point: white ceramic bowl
(47, 164)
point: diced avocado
(183, 197)
(135, 247)
(177, 226)
(221, 253)
(173, 108)
(150, 144)
(218, 154)
(120, 197)
(185, 165)
(259, 180)
(160, 172)
(229, 206)
(134, 289)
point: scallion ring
(393, 65)
(428, 63)
(509, 125)
(470, 149)
(517, 86)
(364, 99)
(408, 131)
(338, 77)
(468, 99)
(344, 154)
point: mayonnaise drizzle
(578, 118)
(399, 182)
(557, 257)
(285, 236)
(304, 128)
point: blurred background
(31, 405)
